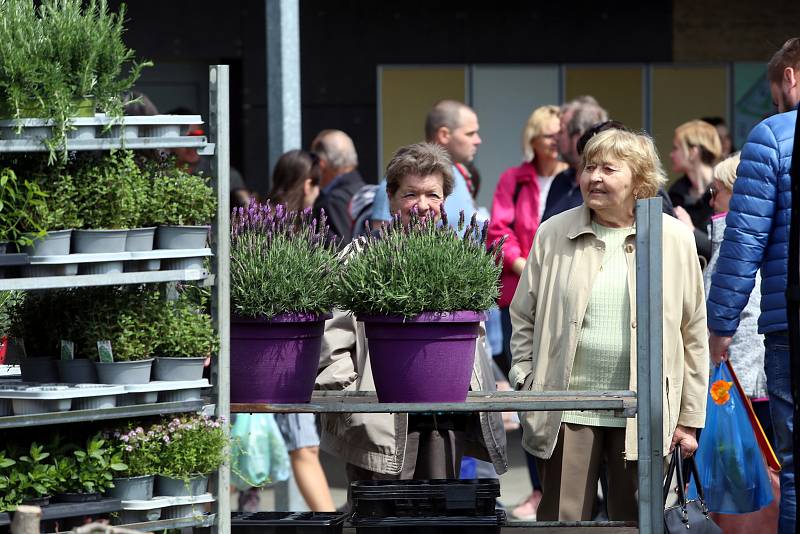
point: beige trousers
(569, 478)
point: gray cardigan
(747, 349)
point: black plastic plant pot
(287, 523)
(489, 524)
(77, 497)
(39, 501)
(378, 499)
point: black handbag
(686, 516)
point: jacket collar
(584, 223)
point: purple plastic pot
(427, 358)
(275, 361)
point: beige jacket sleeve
(337, 361)
(523, 316)
(695, 347)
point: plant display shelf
(91, 280)
(118, 412)
(141, 132)
(207, 520)
(64, 510)
(623, 402)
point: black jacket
(699, 210)
(335, 200)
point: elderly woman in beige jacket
(388, 446)
(574, 328)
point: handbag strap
(696, 476)
(675, 468)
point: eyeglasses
(713, 191)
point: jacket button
(633, 324)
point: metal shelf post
(219, 123)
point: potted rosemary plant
(421, 291)
(283, 272)
(187, 339)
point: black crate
(377, 499)
(287, 523)
(490, 524)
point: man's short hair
(339, 155)
(584, 117)
(445, 113)
(787, 56)
(578, 101)
(419, 159)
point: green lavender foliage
(420, 267)
(280, 262)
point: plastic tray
(164, 502)
(287, 522)
(120, 256)
(22, 390)
(166, 385)
(424, 498)
(161, 508)
(432, 525)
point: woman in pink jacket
(519, 202)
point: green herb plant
(18, 202)
(54, 57)
(177, 197)
(96, 465)
(186, 331)
(9, 300)
(108, 194)
(423, 266)
(194, 445)
(138, 449)
(31, 477)
(7, 501)
(281, 261)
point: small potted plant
(182, 205)
(41, 344)
(19, 199)
(31, 479)
(108, 202)
(283, 273)
(118, 332)
(60, 60)
(86, 473)
(194, 446)
(140, 451)
(187, 339)
(421, 291)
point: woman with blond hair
(696, 149)
(574, 328)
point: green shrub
(178, 197)
(280, 262)
(420, 267)
(54, 56)
(192, 445)
(186, 332)
(19, 200)
(109, 195)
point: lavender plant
(426, 265)
(281, 261)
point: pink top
(517, 218)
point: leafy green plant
(42, 319)
(138, 449)
(419, 267)
(193, 445)
(19, 201)
(185, 331)
(178, 197)
(280, 262)
(108, 191)
(9, 300)
(55, 56)
(7, 501)
(96, 466)
(31, 477)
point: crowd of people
(566, 317)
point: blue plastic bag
(258, 452)
(732, 469)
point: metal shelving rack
(218, 121)
(646, 405)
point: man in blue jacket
(757, 236)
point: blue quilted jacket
(757, 232)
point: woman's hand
(685, 437)
(684, 217)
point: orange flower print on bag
(719, 391)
